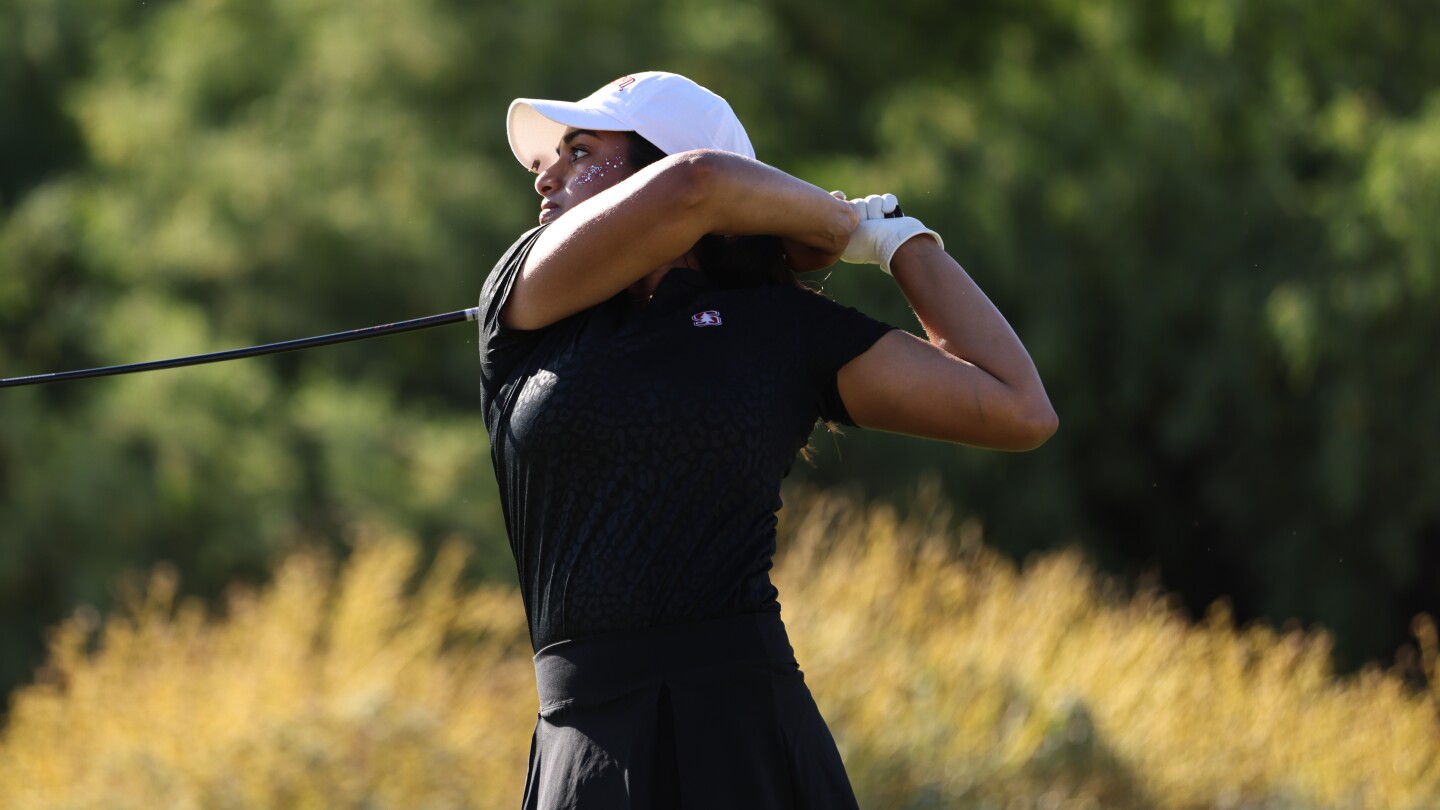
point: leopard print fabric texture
(639, 450)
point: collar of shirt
(679, 286)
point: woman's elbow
(1022, 429)
(1037, 426)
(689, 178)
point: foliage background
(1207, 219)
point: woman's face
(586, 163)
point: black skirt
(708, 715)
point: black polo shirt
(639, 449)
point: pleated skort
(708, 715)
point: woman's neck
(643, 289)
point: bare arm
(626, 232)
(973, 382)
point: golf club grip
(365, 333)
(898, 212)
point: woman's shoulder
(780, 294)
(790, 310)
(777, 299)
(802, 297)
(810, 310)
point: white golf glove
(877, 238)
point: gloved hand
(877, 238)
(873, 206)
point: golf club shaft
(252, 351)
(269, 348)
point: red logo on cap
(624, 82)
(707, 318)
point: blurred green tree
(1206, 221)
(1209, 221)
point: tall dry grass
(951, 679)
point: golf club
(269, 348)
(252, 351)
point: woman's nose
(547, 179)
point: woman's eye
(577, 152)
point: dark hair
(729, 261)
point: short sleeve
(500, 346)
(834, 334)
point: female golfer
(649, 371)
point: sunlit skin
(971, 382)
(586, 163)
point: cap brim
(535, 127)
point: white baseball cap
(665, 109)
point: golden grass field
(950, 678)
